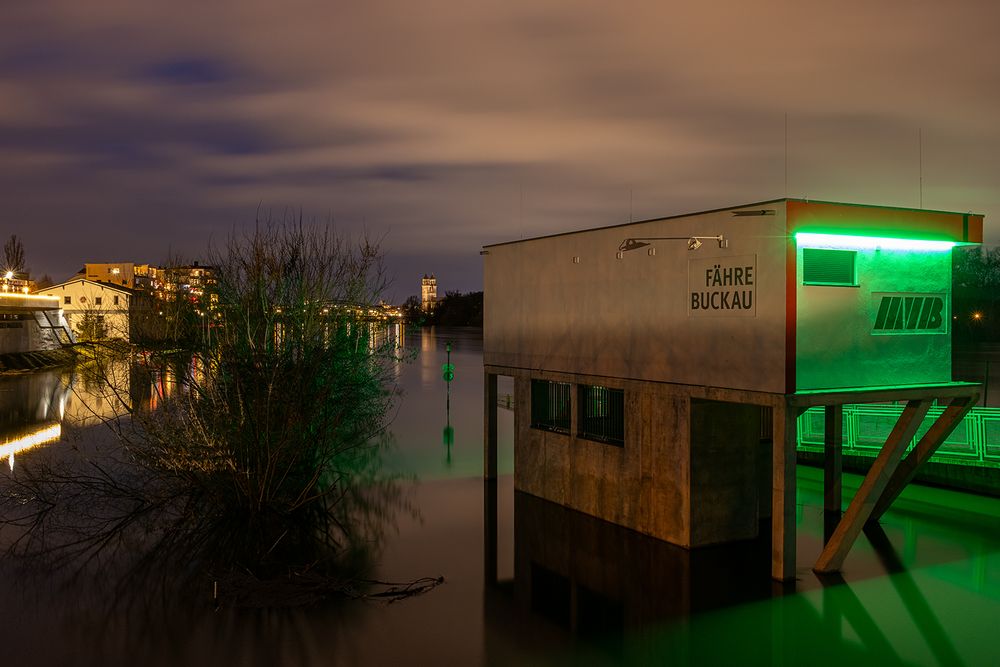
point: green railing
(975, 442)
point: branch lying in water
(246, 590)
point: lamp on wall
(693, 242)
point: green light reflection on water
(936, 605)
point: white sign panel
(722, 286)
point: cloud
(138, 126)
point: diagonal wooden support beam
(924, 449)
(835, 551)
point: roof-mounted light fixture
(693, 242)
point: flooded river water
(556, 588)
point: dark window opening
(602, 415)
(550, 405)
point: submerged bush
(292, 379)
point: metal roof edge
(730, 208)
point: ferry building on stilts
(660, 366)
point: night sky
(130, 130)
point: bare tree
(13, 253)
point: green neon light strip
(810, 240)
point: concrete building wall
(835, 343)
(687, 472)
(26, 323)
(16, 335)
(566, 303)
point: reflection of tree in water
(142, 533)
(262, 477)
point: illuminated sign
(909, 313)
(722, 286)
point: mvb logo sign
(908, 313)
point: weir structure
(642, 356)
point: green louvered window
(822, 266)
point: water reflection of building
(35, 407)
(590, 576)
(626, 595)
(31, 411)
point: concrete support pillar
(490, 532)
(490, 426)
(832, 447)
(785, 436)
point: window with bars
(550, 405)
(602, 415)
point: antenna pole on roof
(786, 155)
(630, 204)
(920, 159)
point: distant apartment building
(126, 274)
(428, 292)
(189, 281)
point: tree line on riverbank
(975, 296)
(456, 309)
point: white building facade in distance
(94, 310)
